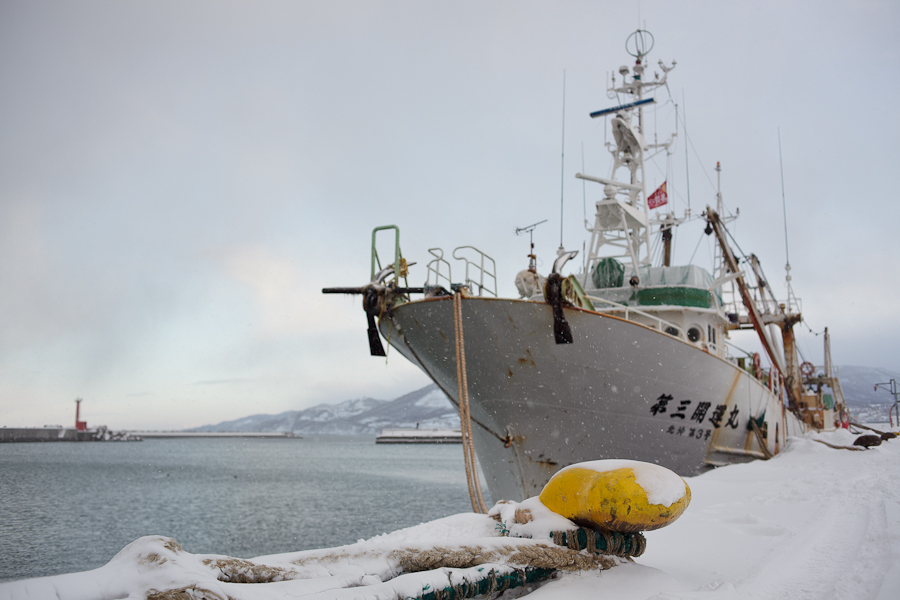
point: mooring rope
(475, 495)
(836, 447)
(598, 541)
(454, 571)
(759, 438)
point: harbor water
(67, 507)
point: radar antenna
(529, 229)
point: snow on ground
(814, 522)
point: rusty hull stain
(527, 360)
(545, 463)
(419, 325)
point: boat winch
(378, 298)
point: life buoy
(807, 369)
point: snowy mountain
(859, 385)
(428, 408)
(866, 404)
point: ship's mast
(622, 222)
(720, 265)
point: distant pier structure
(79, 425)
(50, 433)
(81, 433)
(419, 436)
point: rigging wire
(690, 262)
(815, 333)
(800, 352)
(655, 131)
(787, 256)
(656, 249)
(670, 167)
(562, 175)
(688, 140)
(686, 156)
(744, 256)
(736, 347)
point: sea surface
(67, 507)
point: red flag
(658, 198)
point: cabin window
(694, 334)
(672, 331)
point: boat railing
(661, 324)
(376, 262)
(482, 267)
(434, 267)
(737, 307)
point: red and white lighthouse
(79, 425)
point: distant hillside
(866, 404)
(428, 408)
(859, 385)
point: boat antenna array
(639, 43)
(532, 259)
(787, 256)
(562, 177)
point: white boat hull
(621, 390)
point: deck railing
(483, 267)
(434, 266)
(661, 324)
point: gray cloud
(179, 180)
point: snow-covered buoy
(617, 495)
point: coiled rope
(465, 419)
(598, 541)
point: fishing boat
(622, 358)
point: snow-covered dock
(419, 436)
(813, 522)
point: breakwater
(44, 434)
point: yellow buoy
(617, 495)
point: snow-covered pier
(419, 436)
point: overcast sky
(178, 180)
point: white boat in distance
(623, 360)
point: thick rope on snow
(543, 556)
(186, 593)
(511, 565)
(453, 570)
(489, 585)
(238, 570)
(836, 447)
(542, 560)
(602, 542)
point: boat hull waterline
(621, 390)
